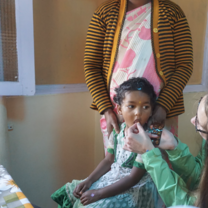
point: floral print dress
(142, 195)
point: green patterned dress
(142, 195)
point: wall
(196, 13)
(4, 143)
(60, 32)
(52, 142)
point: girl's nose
(193, 120)
(138, 112)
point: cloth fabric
(130, 62)
(172, 66)
(184, 178)
(143, 194)
(11, 195)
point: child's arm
(103, 167)
(122, 185)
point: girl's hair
(135, 84)
(202, 201)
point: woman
(175, 187)
(138, 38)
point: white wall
(52, 142)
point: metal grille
(8, 45)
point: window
(17, 69)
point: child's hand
(81, 188)
(90, 196)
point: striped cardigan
(171, 43)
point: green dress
(142, 195)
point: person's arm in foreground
(185, 164)
(170, 185)
(103, 167)
(120, 186)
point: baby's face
(136, 107)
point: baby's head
(135, 99)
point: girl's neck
(133, 4)
(125, 131)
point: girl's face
(135, 107)
(200, 120)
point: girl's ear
(119, 110)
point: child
(120, 179)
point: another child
(120, 179)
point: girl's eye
(145, 107)
(130, 106)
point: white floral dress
(142, 195)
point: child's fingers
(85, 202)
(83, 196)
(84, 188)
(76, 194)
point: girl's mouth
(137, 121)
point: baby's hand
(81, 188)
(90, 196)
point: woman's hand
(81, 188)
(137, 140)
(112, 121)
(158, 117)
(90, 196)
(168, 141)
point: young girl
(120, 179)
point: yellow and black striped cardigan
(171, 43)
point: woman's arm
(170, 185)
(93, 62)
(122, 185)
(103, 167)
(186, 165)
(183, 51)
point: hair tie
(140, 85)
